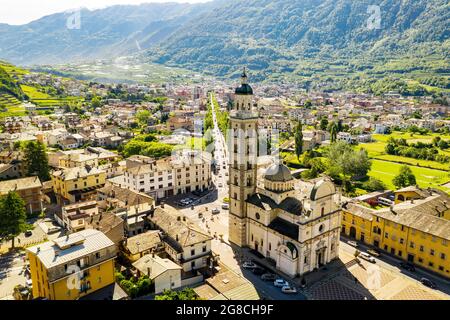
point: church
(294, 223)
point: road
(393, 264)
(11, 272)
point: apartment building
(29, 189)
(72, 266)
(183, 172)
(186, 245)
(77, 184)
(415, 230)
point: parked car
(215, 211)
(28, 233)
(268, 277)
(280, 283)
(408, 266)
(249, 265)
(368, 257)
(258, 271)
(374, 252)
(288, 289)
(29, 283)
(352, 243)
(428, 283)
(226, 206)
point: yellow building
(416, 231)
(77, 184)
(72, 266)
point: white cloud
(24, 11)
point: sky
(18, 12)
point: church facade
(294, 223)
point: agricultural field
(386, 171)
(385, 167)
(10, 106)
(376, 149)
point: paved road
(393, 264)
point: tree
(96, 102)
(12, 216)
(333, 129)
(298, 139)
(143, 117)
(185, 294)
(374, 184)
(323, 123)
(36, 160)
(405, 178)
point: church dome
(278, 173)
(244, 89)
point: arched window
(401, 197)
(322, 212)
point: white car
(352, 243)
(368, 257)
(215, 211)
(249, 265)
(288, 289)
(280, 283)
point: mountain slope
(271, 36)
(103, 33)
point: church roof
(284, 227)
(244, 89)
(262, 201)
(278, 173)
(290, 205)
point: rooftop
(19, 184)
(71, 247)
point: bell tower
(243, 154)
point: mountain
(271, 36)
(331, 44)
(113, 31)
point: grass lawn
(386, 171)
(376, 149)
(33, 93)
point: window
(441, 268)
(99, 279)
(386, 235)
(431, 264)
(204, 249)
(193, 252)
(432, 252)
(322, 212)
(411, 244)
(193, 264)
(420, 260)
(401, 240)
(443, 256)
(97, 255)
(399, 253)
(422, 249)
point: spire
(244, 76)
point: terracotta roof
(181, 233)
(19, 184)
(143, 242)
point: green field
(10, 106)
(376, 149)
(386, 171)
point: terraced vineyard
(10, 106)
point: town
(223, 190)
